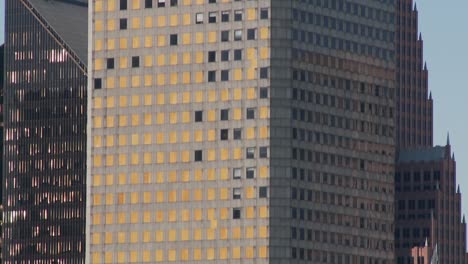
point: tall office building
(428, 201)
(2, 74)
(227, 131)
(45, 124)
(414, 102)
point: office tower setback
(227, 131)
(428, 204)
(45, 141)
(414, 117)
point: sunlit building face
(45, 143)
(254, 131)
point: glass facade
(45, 143)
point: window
(110, 63)
(212, 1)
(250, 173)
(161, 3)
(238, 15)
(135, 62)
(264, 13)
(224, 35)
(263, 192)
(148, 3)
(263, 152)
(236, 193)
(225, 75)
(174, 2)
(212, 17)
(123, 23)
(250, 153)
(251, 33)
(238, 34)
(236, 212)
(237, 133)
(236, 173)
(123, 4)
(225, 55)
(97, 83)
(173, 39)
(238, 54)
(263, 92)
(250, 113)
(264, 73)
(198, 155)
(224, 114)
(224, 134)
(199, 18)
(198, 116)
(211, 76)
(225, 16)
(211, 56)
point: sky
(444, 28)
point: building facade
(45, 142)
(428, 204)
(229, 130)
(2, 74)
(414, 113)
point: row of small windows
(330, 257)
(224, 115)
(160, 3)
(356, 9)
(416, 177)
(301, 194)
(421, 204)
(250, 153)
(414, 233)
(305, 135)
(338, 180)
(149, 3)
(342, 44)
(211, 76)
(337, 83)
(331, 159)
(342, 25)
(308, 96)
(304, 214)
(341, 122)
(226, 16)
(343, 103)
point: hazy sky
(444, 27)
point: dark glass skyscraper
(45, 124)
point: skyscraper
(2, 73)
(414, 102)
(428, 201)
(45, 121)
(254, 130)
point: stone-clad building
(428, 203)
(222, 130)
(45, 141)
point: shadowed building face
(45, 122)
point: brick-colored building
(428, 203)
